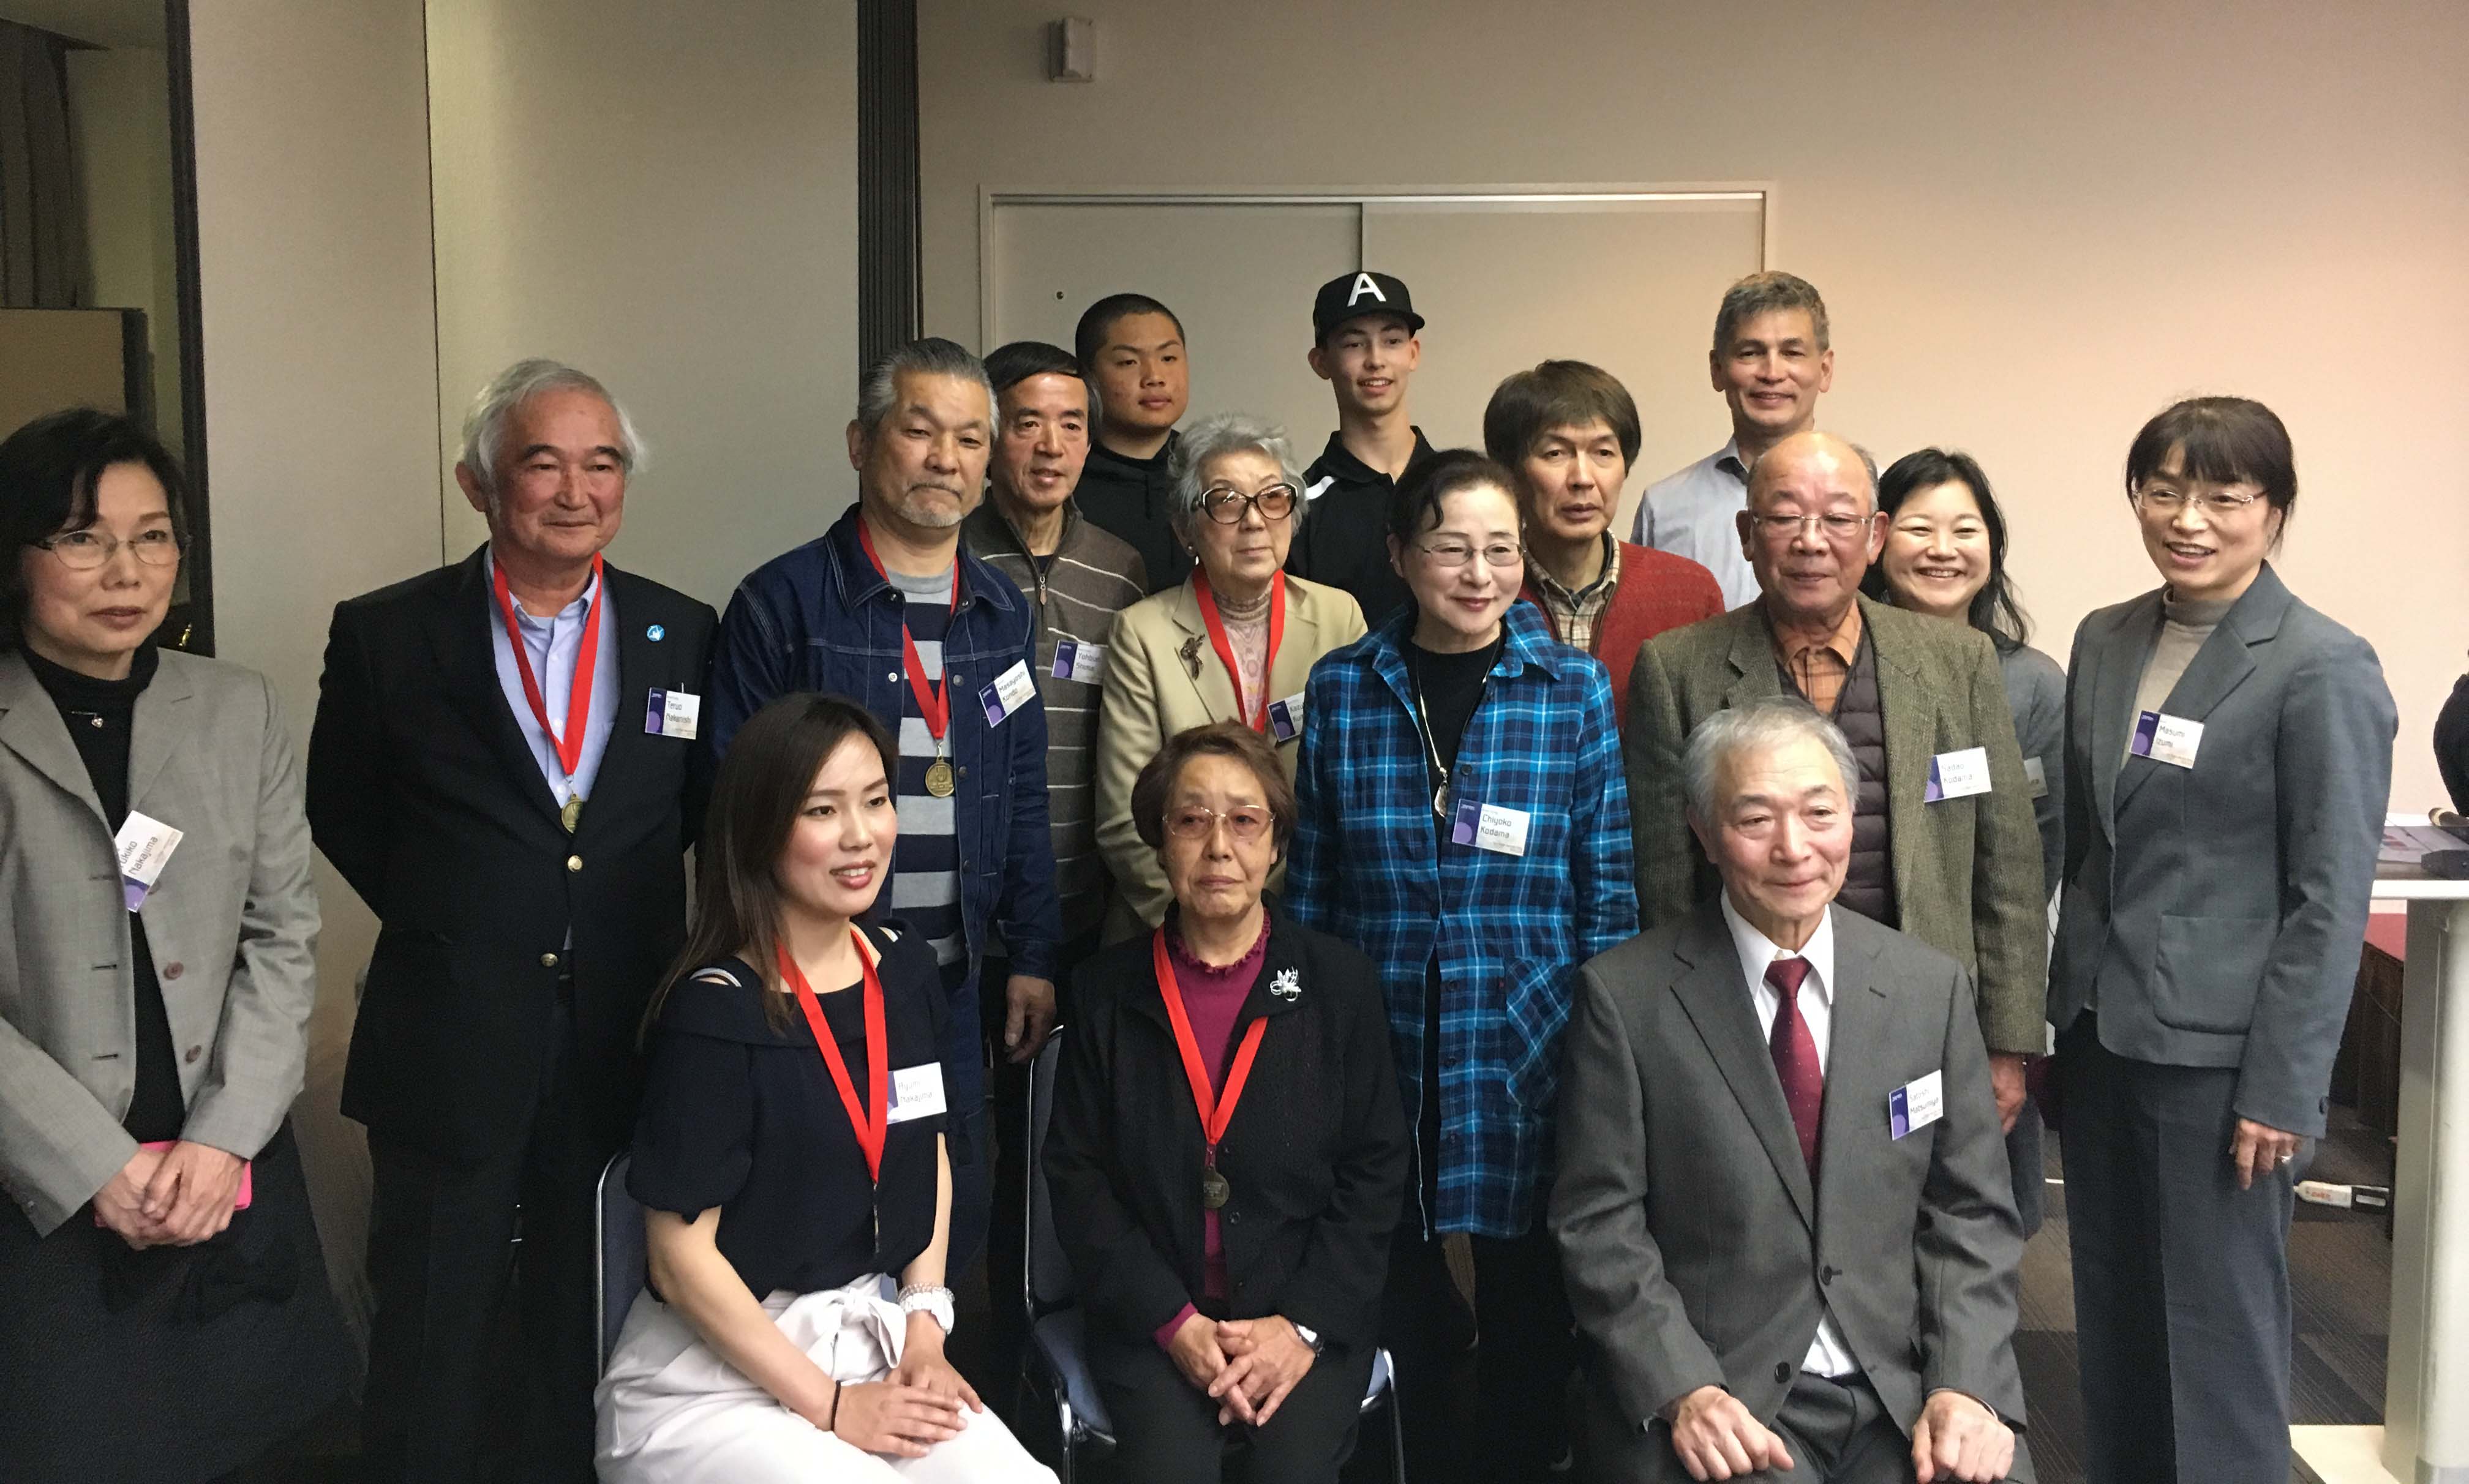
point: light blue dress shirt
(1693, 514)
(553, 645)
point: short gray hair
(1212, 439)
(1868, 462)
(931, 356)
(484, 425)
(1768, 721)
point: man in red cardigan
(1569, 433)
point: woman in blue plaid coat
(1465, 821)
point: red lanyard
(934, 701)
(1259, 717)
(578, 697)
(869, 1122)
(1215, 1112)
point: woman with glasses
(163, 1313)
(1464, 819)
(1234, 642)
(2228, 760)
(1227, 1155)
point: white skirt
(672, 1411)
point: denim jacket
(821, 618)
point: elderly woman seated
(1227, 1153)
(1234, 643)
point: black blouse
(740, 1111)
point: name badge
(2037, 776)
(2166, 739)
(1075, 660)
(672, 713)
(916, 1092)
(1493, 827)
(1012, 690)
(1916, 1105)
(144, 846)
(1957, 775)
(1286, 717)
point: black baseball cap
(1352, 295)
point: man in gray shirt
(1770, 360)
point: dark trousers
(442, 1253)
(2023, 1160)
(1167, 1431)
(2181, 1279)
(1517, 1425)
(1840, 1433)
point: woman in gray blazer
(2229, 762)
(163, 1313)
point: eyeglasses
(84, 551)
(1225, 504)
(1244, 823)
(1834, 526)
(2220, 504)
(1457, 554)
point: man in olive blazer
(1162, 677)
(1965, 870)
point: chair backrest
(619, 1227)
(1049, 1276)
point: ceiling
(106, 23)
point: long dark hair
(1995, 611)
(49, 471)
(763, 784)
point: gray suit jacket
(2217, 910)
(232, 921)
(1966, 871)
(1695, 1250)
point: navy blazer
(2217, 910)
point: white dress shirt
(1828, 1354)
(1694, 512)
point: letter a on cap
(1363, 285)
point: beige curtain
(43, 263)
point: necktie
(1795, 1056)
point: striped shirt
(1074, 594)
(926, 861)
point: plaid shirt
(1575, 614)
(1371, 865)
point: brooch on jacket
(1288, 984)
(1191, 655)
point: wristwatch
(1309, 1335)
(935, 1302)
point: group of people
(1410, 857)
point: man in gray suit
(1783, 1205)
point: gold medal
(1214, 1192)
(573, 814)
(939, 781)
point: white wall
(318, 323)
(672, 208)
(2034, 225)
(120, 101)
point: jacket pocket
(2206, 971)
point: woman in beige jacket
(1234, 643)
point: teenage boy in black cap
(1365, 345)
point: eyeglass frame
(112, 546)
(1437, 559)
(1777, 526)
(1248, 503)
(2217, 505)
(1268, 823)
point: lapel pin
(656, 633)
(1288, 985)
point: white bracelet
(932, 1300)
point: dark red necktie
(1795, 1056)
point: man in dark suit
(504, 767)
(1781, 1203)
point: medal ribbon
(1216, 1114)
(578, 700)
(872, 1122)
(1225, 648)
(934, 701)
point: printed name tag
(1012, 690)
(2037, 776)
(1286, 717)
(144, 846)
(1075, 660)
(2166, 739)
(1493, 827)
(916, 1092)
(672, 713)
(1957, 775)
(1916, 1105)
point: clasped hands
(1958, 1438)
(171, 1198)
(1247, 1365)
(907, 1413)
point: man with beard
(886, 610)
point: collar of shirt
(545, 629)
(1757, 950)
(1730, 463)
(1600, 590)
(1844, 642)
(1338, 460)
